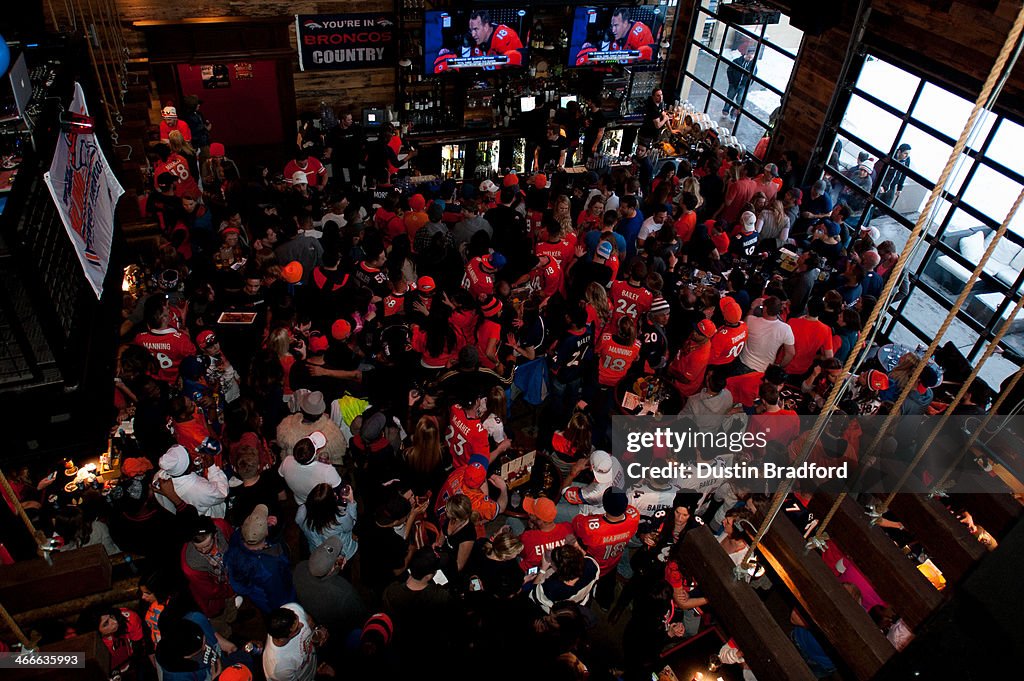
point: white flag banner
(86, 193)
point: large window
(739, 74)
(892, 142)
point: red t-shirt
(614, 359)
(503, 40)
(124, 643)
(465, 437)
(419, 344)
(464, 323)
(810, 337)
(169, 346)
(639, 36)
(316, 173)
(629, 300)
(688, 368)
(485, 333)
(561, 251)
(721, 242)
(780, 426)
(603, 540)
(476, 281)
(394, 303)
(547, 279)
(727, 344)
(744, 388)
(181, 126)
(685, 226)
(536, 542)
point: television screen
(487, 39)
(373, 117)
(602, 36)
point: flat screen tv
(476, 39)
(604, 36)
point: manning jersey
(614, 359)
(168, 346)
(476, 281)
(465, 437)
(604, 540)
(639, 36)
(727, 344)
(503, 40)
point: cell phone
(475, 584)
(51, 477)
(534, 570)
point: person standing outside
(895, 176)
(739, 73)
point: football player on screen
(488, 39)
(631, 35)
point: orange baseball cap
(510, 180)
(340, 330)
(540, 180)
(731, 310)
(543, 508)
(417, 202)
(706, 327)
(236, 672)
(292, 272)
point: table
(671, 404)
(544, 481)
(692, 656)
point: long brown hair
(424, 455)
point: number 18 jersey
(605, 541)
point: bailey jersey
(604, 540)
(168, 346)
(503, 40)
(614, 359)
(570, 354)
(537, 542)
(476, 281)
(649, 501)
(727, 344)
(629, 301)
(465, 437)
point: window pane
(749, 132)
(761, 102)
(992, 193)
(702, 64)
(708, 31)
(889, 83)
(694, 93)
(774, 68)
(1006, 146)
(997, 369)
(927, 154)
(901, 335)
(945, 112)
(875, 126)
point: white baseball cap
(299, 177)
(601, 465)
(175, 461)
(169, 112)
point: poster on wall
(243, 71)
(215, 76)
(86, 193)
(345, 41)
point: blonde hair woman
(773, 224)
(599, 308)
(424, 458)
(692, 185)
(458, 534)
(279, 341)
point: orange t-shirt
(727, 344)
(810, 337)
(614, 359)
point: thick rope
(988, 417)
(894, 276)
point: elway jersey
(606, 541)
(639, 36)
(465, 437)
(629, 300)
(503, 40)
(727, 344)
(476, 281)
(169, 346)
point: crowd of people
(321, 373)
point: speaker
(816, 18)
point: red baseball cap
(510, 180)
(417, 202)
(543, 508)
(236, 672)
(475, 474)
(206, 338)
(707, 327)
(426, 284)
(216, 149)
(540, 180)
(877, 380)
(340, 330)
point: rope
(988, 417)
(15, 629)
(840, 386)
(36, 535)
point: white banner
(86, 193)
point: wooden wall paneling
(766, 648)
(894, 577)
(945, 539)
(840, 618)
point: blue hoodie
(265, 576)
